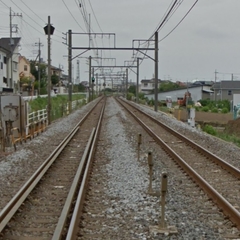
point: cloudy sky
(207, 40)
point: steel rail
(222, 203)
(225, 165)
(72, 231)
(81, 171)
(13, 205)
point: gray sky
(206, 40)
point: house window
(1, 65)
(25, 67)
(145, 84)
(229, 92)
(5, 60)
(14, 66)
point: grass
(222, 135)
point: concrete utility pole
(49, 72)
(49, 31)
(70, 71)
(39, 61)
(78, 72)
(10, 82)
(89, 80)
(156, 73)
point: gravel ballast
(121, 205)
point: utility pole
(49, 29)
(215, 84)
(78, 72)
(89, 80)
(39, 61)
(49, 72)
(97, 89)
(126, 81)
(156, 72)
(70, 71)
(92, 82)
(10, 82)
(137, 81)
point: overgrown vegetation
(222, 135)
(59, 104)
(222, 106)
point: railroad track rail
(49, 204)
(219, 180)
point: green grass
(222, 135)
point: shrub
(205, 109)
(224, 110)
(215, 110)
(210, 130)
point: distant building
(148, 85)
(12, 54)
(224, 90)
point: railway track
(215, 176)
(49, 203)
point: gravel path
(120, 207)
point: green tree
(132, 89)
(54, 79)
(168, 86)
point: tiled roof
(5, 43)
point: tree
(168, 86)
(132, 89)
(54, 79)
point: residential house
(224, 90)
(24, 72)
(198, 92)
(11, 45)
(148, 85)
(3, 68)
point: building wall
(15, 74)
(196, 94)
(3, 69)
(24, 67)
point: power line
(72, 15)
(180, 21)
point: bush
(205, 109)
(224, 110)
(210, 130)
(214, 110)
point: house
(224, 90)
(3, 68)
(24, 67)
(148, 85)
(12, 54)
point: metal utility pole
(97, 89)
(70, 71)
(89, 80)
(137, 98)
(215, 84)
(92, 82)
(156, 73)
(126, 81)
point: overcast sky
(208, 39)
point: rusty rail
(222, 203)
